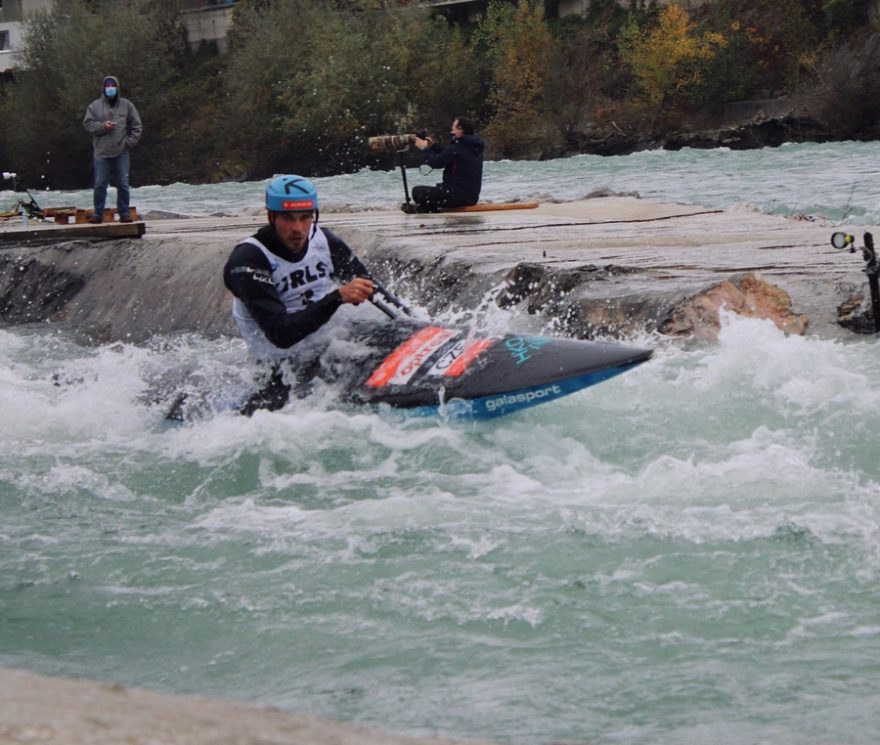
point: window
(4, 39)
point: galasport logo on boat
(523, 398)
(399, 366)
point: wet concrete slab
(653, 247)
(39, 710)
(635, 260)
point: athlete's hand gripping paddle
(394, 300)
(378, 289)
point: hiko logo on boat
(399, 366)
(521, 347)
(525, 398)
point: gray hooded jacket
(126, 133)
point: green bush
(306, 83)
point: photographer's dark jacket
(462, 164)
(281, 296)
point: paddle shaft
(383, 307)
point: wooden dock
(37, 231)
(79, 215)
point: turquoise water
(686, 554)
(835, 180)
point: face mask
(110, 91)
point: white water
(688, 553)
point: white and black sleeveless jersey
(281, 296)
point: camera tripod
(403, 175)
(28, 209)
(845, 241)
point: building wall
(208, 23)
(204, 20)
(12, 13)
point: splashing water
(688, 553)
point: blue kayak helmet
(291, 194)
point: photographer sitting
(462, 163)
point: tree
(663, 59)
(309, 82)
(519, 44)
(571, 92)
(781, 39)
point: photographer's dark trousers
(433, 198)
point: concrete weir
(611, 266)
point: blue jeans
(120, 167)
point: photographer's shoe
(96, 219)
(409, 208)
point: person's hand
(421, 144)
(356, 291)
(109, 125)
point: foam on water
(686, 553)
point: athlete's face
(293, 228)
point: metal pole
(872, 270)
(403, 173)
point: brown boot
(96, 219)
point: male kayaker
(289, 278)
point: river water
(686, 554)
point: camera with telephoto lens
(394, 143)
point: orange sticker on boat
(473, 350)
(399, 366)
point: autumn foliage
(664, 58)
(305, 84)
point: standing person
(462, 164)
(115, 126)
(288, 280)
